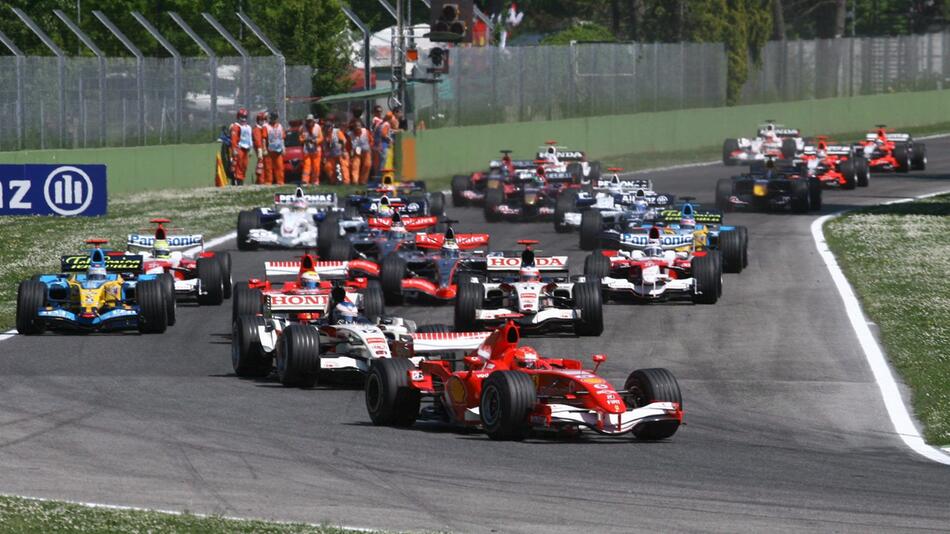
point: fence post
(100, 56)
(212, 66)
(245, 58)
(18, 54)
(140, 68)
(60, 64)
(176, 58)
(282, 85)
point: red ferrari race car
(892, 151)
(310, 289)
(293, 152)
(508, 390)
(836, 165)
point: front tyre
(30, 299)
(645, 386)
(298, 356)
(589, 300)
(153, 318)
(507, 399)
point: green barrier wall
(447, 151)
(136, 168)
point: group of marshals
(333, 152)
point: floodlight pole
(61, 67)
(367, 71)
(176, 57)
(212, 64)
(12, 47)
(282, 90)
(245, 57)
(101, 59)
(140, 67)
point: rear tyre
(848, 171)
(594, 172)
(437, 203)
(707, 280)
(744, 239)
(247, 221)
(328, 231)
(247, 358)
(373, 302)
(298, 356)
(566, 202)
(340, 250)
(576, 171)
(723, 193)
(211, 282)
(460, 184)
(508, 397)
(596, 267)
(902, 155)
(801, 196)
(246, 301)
(153, 317)
(730, 246)
(863, 171)
(390, 400)
(588, 299)
(918, 157)
(493, 199)
(30, 299)
(814, 194)
(729, 146)
(168, 287)
(392, 273)
(645, 386)
(789, 149)
(224, 259)
(467, 302)
(592, 223)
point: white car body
(766, 143)
(295, 228)
(605, 192)
(142, 244)
(655, 282)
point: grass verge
(897, 258)
(27, 516)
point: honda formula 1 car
(508, 390)
(291, 223)
(771, 141)
(892, 151)
(770, 186)
(96, 291)
(536, 292)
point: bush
(582, 32)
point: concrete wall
(447, 151)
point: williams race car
(291, 223)
(771, 141)
(770, 186)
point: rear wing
(412, 224)
(296, 303)
(833, 150)
(701, 217)
(116, 263)
(782, 132)
(319, 200)
(651, 199)
(564, 155)
(543, 263)
(175, 242)
(464, 241)
(555, 176)
(326, 269)
(667, 241)
(629, 183)
(448, 341)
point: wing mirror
(473, 362)
(598, 359)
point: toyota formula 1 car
(770, 186)
(892, 151)
(771, 141)
(291, 223)
(509, 390)
(707, 233)
(836, 166)
(97, 291)
(206, 279)
(536, 291)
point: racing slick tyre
(729, 146)
(902, 155)
(168, 287)
(210, 282)
(434, 329)
(508, 397)
(224, 258)
(247, 221)
(247, 358)
(298, 356)
(391, 275)
(789, 148)
(863, 171)
(918, 157)
(576, 170)
(730, 246)
(814, 194)
(493, 199)
(592, 223)
(373, 306)
(340, 250)
(801, 196)
(437, 203)
(645, 386)
(327, 232)
(246, 301)
(467, 302)
(565, 203)
(30, 299)
(589, 300)
(153, 318)
(707, 280)
(594, 173)
(596, 266)
(744, 240)
(390, 400)
(460, 184)
(723, 193)
(850, 174)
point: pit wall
(447, 151)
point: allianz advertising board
(60, 190)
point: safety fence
(83, 102)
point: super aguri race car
(206, 278)
(291, 223)
(96, 291)
(558, 159)
(892, 151)
(771, 185)
(771, 141)
(536, 292)
(509, 390)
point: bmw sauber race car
(892, 151)
(612, 196)
(97, 291)
(206, 279)
(471, 190)
(771, 141)
(291, 223)
(508, 390)
(660, 270)
(836, 166)
(770, 186)
(535, 292)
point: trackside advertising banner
(61, 190)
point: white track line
(896, 409)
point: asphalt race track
(786, 429)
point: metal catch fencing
(80, 102)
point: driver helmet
(346, 312)
(96, 271)
(822, 153)
(384, 208)
(688, 222)
(397, 227)
(653, 249)
(161, 250)
(527, 357)
(530, 273)
(310, 280)
(300, 205)
(770, 132)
